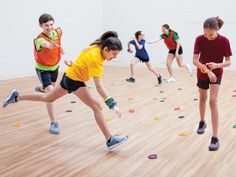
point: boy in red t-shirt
(210, 49)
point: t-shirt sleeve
(175, 36)
(132, 42)
(196, 47)
(39, 42)
(227, 49)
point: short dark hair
(137, 34)
(44, 18)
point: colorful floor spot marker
(157, 117)
(69, 110)
(155, 98)
(234, 90)
(131, 111)
(181, 117)
(17, 125)
(108, 119)
(233, 95)
(180, 89)
(195, 99)
(162, 100)
(130, 98)
(152, 156)
(73, 102)
(234, 126)
(161, 91)
(185, 103)
(177, 109)
(183, 134)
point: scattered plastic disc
(181, 117)
(155, 98)
(73, 102)
(195, 99)
(162, 100)
(234, 90)
(17, 125)
(180, 89)
(178, 108)
(161, 91)
(233, 95)
(156, 117)
(69, 110)
(131, 111)
(108, 119)
(234, 126)
(130, 98)
(183, 134)
(152, 156)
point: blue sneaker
(54, 128)
(116, 140)
(11, 98)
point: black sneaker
(159, 79)
(11, 98)
(131, 80)
(214, 145)
(201, 127)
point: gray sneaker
(116, 140)
(54, 128)
(201, 127)
(214, 145)
(11, 98)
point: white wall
(81, 22)
(184, 16)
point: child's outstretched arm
(110, 102)
(154, 40)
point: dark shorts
(142, 59)
(71, 85)
(173, 51)
(205, 84)
(47, 77)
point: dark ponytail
(168, 27)
(213, 23)
(137, 34)
(110, 40)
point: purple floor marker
(152, 156)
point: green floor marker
(162, 101)
(234, 126)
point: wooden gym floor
(28, 150)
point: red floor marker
(233, 95)
(73, 102)
(69, 110)
(131, 111)
(176, 109)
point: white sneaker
(189, 68)
(171, 79)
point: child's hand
(117, 111)
(68, 62)
(211, 76)
(212, 65)
(129, 50)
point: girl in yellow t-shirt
(89, 63)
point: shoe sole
(53, 132)
(7, 98)
(114, 146)
(203, 130)
(213, 149)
